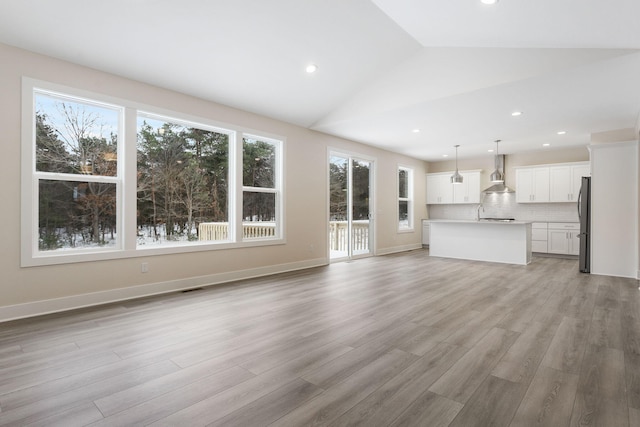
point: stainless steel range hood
(499, 187)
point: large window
(96, 186)
(405, 199)
(76, 172)
(183, 180)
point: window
(259, 187)
(76, 171)
(95, 189)
(405, 198)
(182, 182)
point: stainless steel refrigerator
(584, 213)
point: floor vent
(191, 290)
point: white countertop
(473, 221)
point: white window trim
(277, 188)
(410, 200)
(126, 194)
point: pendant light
(456, 178)
(496, 175)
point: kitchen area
(510, 215)
(538, 210)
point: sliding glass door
(350, 206)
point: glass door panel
(338, 207)
(360, 207)
(350, 225)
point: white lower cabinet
(563, 238)
(539, 237)
(425, 233)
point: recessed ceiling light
(445, 155)
(516, 113)
(416, 131)
(490, 150)
(488, 1)
(311, 68)
(546, 144)
(562, 132)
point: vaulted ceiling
(455, 70)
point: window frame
(277, 184)
(409, 199)
(231, 161)
(126, 188)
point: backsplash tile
(505, 206)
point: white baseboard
(396, 249)
(613, 274)
(37, 308)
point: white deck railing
(250, 230)
(338, 233)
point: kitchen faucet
(478, 211)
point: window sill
(112, 254)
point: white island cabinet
(505, 242)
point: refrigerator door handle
(579, 200)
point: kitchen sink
(497, 219)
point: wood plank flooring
(398, 340)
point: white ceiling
(453, 69)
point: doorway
(350, 206)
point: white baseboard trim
(616, 274)
(396, 249)
(38, 308)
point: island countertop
(493, 241)
(480, 221)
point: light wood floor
(396, 340)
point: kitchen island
(493, 241)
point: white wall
(614, 209)
(32, 290)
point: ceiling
(455, 70)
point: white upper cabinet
(440, 190)
(469, 190)
(552, 183)
(565, 181)
(532, 185)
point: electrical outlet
(144, 267)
